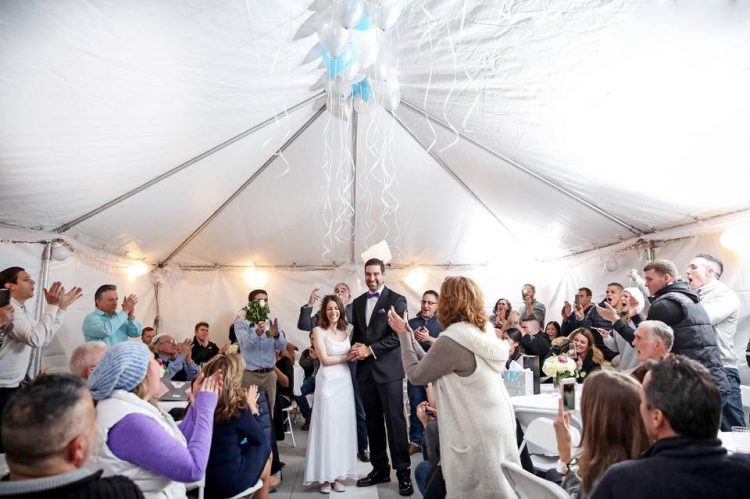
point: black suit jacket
(385, 366)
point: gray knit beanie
(123, 367)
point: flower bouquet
(559, 367)
(256, 312)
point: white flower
(262, 303)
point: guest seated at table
(653, 341)
(240, 449)
(681, 409)
(612, 431)
(588, 357)
(137, 439)
(535, 341)
(49, 433)
(514, 337)
(177, 357)
(85, 357)
(203, 349)
(553, 330)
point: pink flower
(562, 359)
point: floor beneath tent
(294, 473)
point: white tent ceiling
(531, 128)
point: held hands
(426, 413)
(562, 432)
(358, 351)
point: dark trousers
(384, 410)
(731, 410)
(308, 387)
(5, 395)
(359, 408)
(417, 394)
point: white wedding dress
(332, 441)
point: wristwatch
(564, 468)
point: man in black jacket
(49, 431)
(681, 409)
(380, 375)
(676, 305)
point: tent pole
(35, 362)
(455, 177)
(243, 186)
(67, 226)
(515, 164)
(355, 126)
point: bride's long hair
(323, 318)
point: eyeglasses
(425, 302)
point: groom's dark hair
(375, 261)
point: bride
(332, 443)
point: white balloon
(313, 54)
(364, 106)
(340, 108)
(349, 13)
(339, 87)
(392, 100)
(368, 42)
(351, 72)
(310, 26)
(333, 36)
(319, 5)
(385, 16)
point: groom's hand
(358, 352)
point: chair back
(529, 486)
(541, 435)
(299, 377)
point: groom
(380, 375)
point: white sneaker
(338, 486)
(325, 488)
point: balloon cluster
(356, 53)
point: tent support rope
(67, 226)
(355, 126)
(518, 166)
(249, 181)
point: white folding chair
(541, 433)
(288, 422)
(527, 415)
(299, 377)
(248, 492)
(745, 392)
(201, 486)
(529, 486)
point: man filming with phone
(532, 308)
(573, 314)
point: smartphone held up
(568, 392)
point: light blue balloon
(362, 89)
(365, 23)
(337, 65)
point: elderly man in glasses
(426, 330)
(177, 357)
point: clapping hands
(252, 399)
(56, 295)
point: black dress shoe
(374, 477)
(405, 487)
(364, 456)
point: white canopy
(186, 134)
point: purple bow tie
(373, 295)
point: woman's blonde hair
(232, 398)
(613, 430)
(461, 300)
